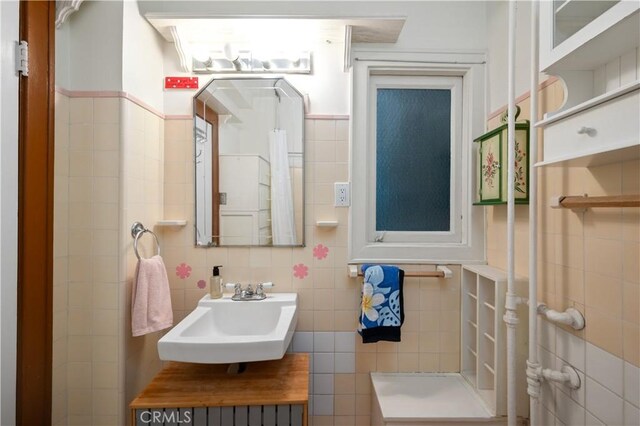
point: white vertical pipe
(533, 206)
(510, 316)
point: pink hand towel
(151, 299)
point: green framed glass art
(492, 165)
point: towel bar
(440, 272)
(583, 202)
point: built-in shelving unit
(484, 336)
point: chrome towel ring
(137, 230)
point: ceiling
(250, 32)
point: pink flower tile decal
(202, 284)
(320, 251)
(183, 271)
(300, 271)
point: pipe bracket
(570, 316)
(534, 371)
(510, 318)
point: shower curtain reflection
(283, 224)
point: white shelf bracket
(353, 271)
(447, 272)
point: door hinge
(22, 58)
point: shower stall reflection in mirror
(249, 163)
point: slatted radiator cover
(254, 415)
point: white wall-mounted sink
(223, 331)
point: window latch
(379, 237)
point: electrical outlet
(342, 196)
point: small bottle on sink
(215, 287)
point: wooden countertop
(181, 385)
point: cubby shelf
(484, 361)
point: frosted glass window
(413, 160)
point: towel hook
(137, 230)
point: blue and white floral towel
(381, 312)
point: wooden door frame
(35, 216)
(210, 116)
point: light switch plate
(342, 194)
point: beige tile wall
(109, 172)
(589, 260)
(60, 261)
(93, 204)
(142, 200)
(329, 300)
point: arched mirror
(249, 163)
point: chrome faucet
(248, 294)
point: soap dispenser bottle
(215, 288)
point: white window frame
(454, 85)
(465, 244)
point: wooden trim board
(35, 216)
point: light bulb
(229, 52)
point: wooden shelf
(284, 381)
(490, 337)
(473, 296)
(474, 353)
(473, 324)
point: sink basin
(221, 331)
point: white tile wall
(570, 348)
(605, 368)
(303, 341)
(603, 403)
(610, 390)
(345, 341)
(578, 395)
(345, 362)
(568, 411)
(631, 415)
(331, 353)
(546, 417)
(591, 420)
(323, 362)
(323, 341)
(632, 384)
(547, 335)
(323, 384)
(323, 405)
